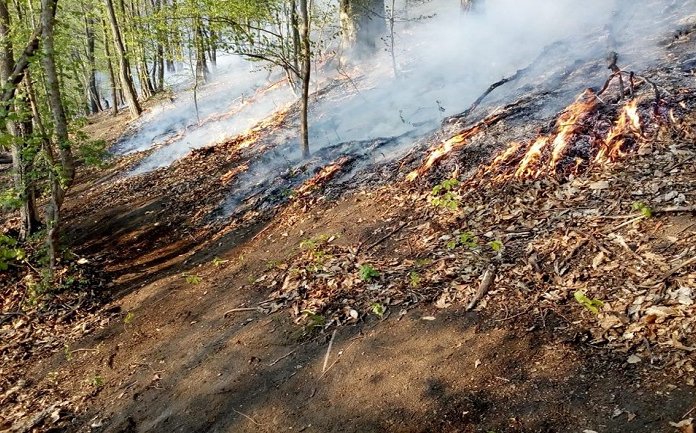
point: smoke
(444, 62)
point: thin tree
(306, 70)
(124, 68)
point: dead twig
(239, 310)
(246, 416)
(385, 237)
(484, 287)
(669, 273)
(328, 352)
(281, 358)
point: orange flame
(443, 149)
(627, 124)
(324, 175)
(531, 157)
(569, 123)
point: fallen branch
(484, 287)
(677, 209)
(385, 237)
(328, 352)
(281, 358)
(239, 310)
(246, 416)
(652, 283)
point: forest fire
(579, 139)
(628, 123)
(323, 176)
(442, 150)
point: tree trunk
(66, 172)
(124, 68)
(469, 6)
(306, 70)
(112, 77)
(202, 70)
(92, 92)
(362, 25)
(28, 223)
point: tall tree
(62, 174)
(305, 72)
(20, 159)
(124, 67)
(362, 24)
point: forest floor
(369, 310)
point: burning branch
(325, 174)
(461, 139)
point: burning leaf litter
(571, 255)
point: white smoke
(445, 62)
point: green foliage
(193, 279)
(96, 381)
(217, 262)
(378, 309)
(466, 239)
(9, 252)
(414, 279)
(496, 245)
(593, 305)
(313, 247)
(368, 273)
(646, 211)
(130, 316)
(443, 195)
(314, 320)
(10, 199)
(93, 153)
(67, 352)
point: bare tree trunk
(112, 77)
(202, 70)
(124, 68)
(362, 24)
(92, 92)
(306, 70)
(469, 6)
(66, 172)
(28, 221)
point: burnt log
(5, 158)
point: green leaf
(593, 305)
(367, 273)
(378, 309)
(496, 246)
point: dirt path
(171, 359)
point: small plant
(468, 240)
(378, 309)
(368, 273)
(9, 252)
(67, 352)
(217, 262)
(193, 279)
(496, 245)
(9, 199)
(129, 318)
(314, 320)
(593, 305)
(443, 195)
(97, 381)
(414, 279)
(272, 264)
(644, 209)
